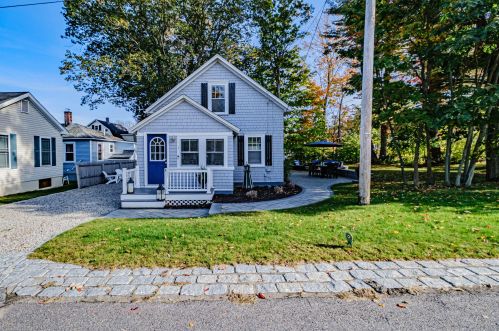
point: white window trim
(149, 150)
(224, 151)
(254, 135)
(27, 107)
(202, 151)
(102, 152)
(74, 152)
(9, 156)
(41, 152)
(179, 153)
(226, 88)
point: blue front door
(156, 158)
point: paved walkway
(315, 189)
(44, 279)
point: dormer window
(218, 101)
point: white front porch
(181, 187)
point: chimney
(68, 117)
(107, 119)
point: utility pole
(367, 105)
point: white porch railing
(188, 180)
(127, 174)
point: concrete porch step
(152, 204)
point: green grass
(34, 194)
(401, 223)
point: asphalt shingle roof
(80, 131)
(4, 96)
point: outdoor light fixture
(160, 193)
(130, 187)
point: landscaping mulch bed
(264, 193)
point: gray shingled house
(198, 137)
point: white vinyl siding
(27, 125)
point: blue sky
(31, 51)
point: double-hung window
(255, 150)
(4, 151)
(215, 152)
(69, 152)
(218, 98)
(189, 149)
(99, 152)
(46, 152)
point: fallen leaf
(190, 325)
(401, 305)
(261, 296)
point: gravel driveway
(27, 224)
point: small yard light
(160, 193)
(130, 187)
(349, 239)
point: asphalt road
(477, 311)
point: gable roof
(193, 103)
(78, 131)
(116, 129)
(218, 59)
(5, 96)
(9, 98)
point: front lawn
(34, 194)
(400, 224)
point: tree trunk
(448, 152)
(383, 142)
(430, 180)
(399, 153)
(416, 156)
(374, 157)
(477, 151)
(492, 148)
(339, 117)
(466, 151)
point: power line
(30, 4)
(315, 31)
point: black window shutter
(240, 150)
(13, 151)
(268, 150)
(204, 95)
(54, 152)
(232, 98)
(36, 144)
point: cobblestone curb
(3, 296)
(42, 279)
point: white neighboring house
(31, 148)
